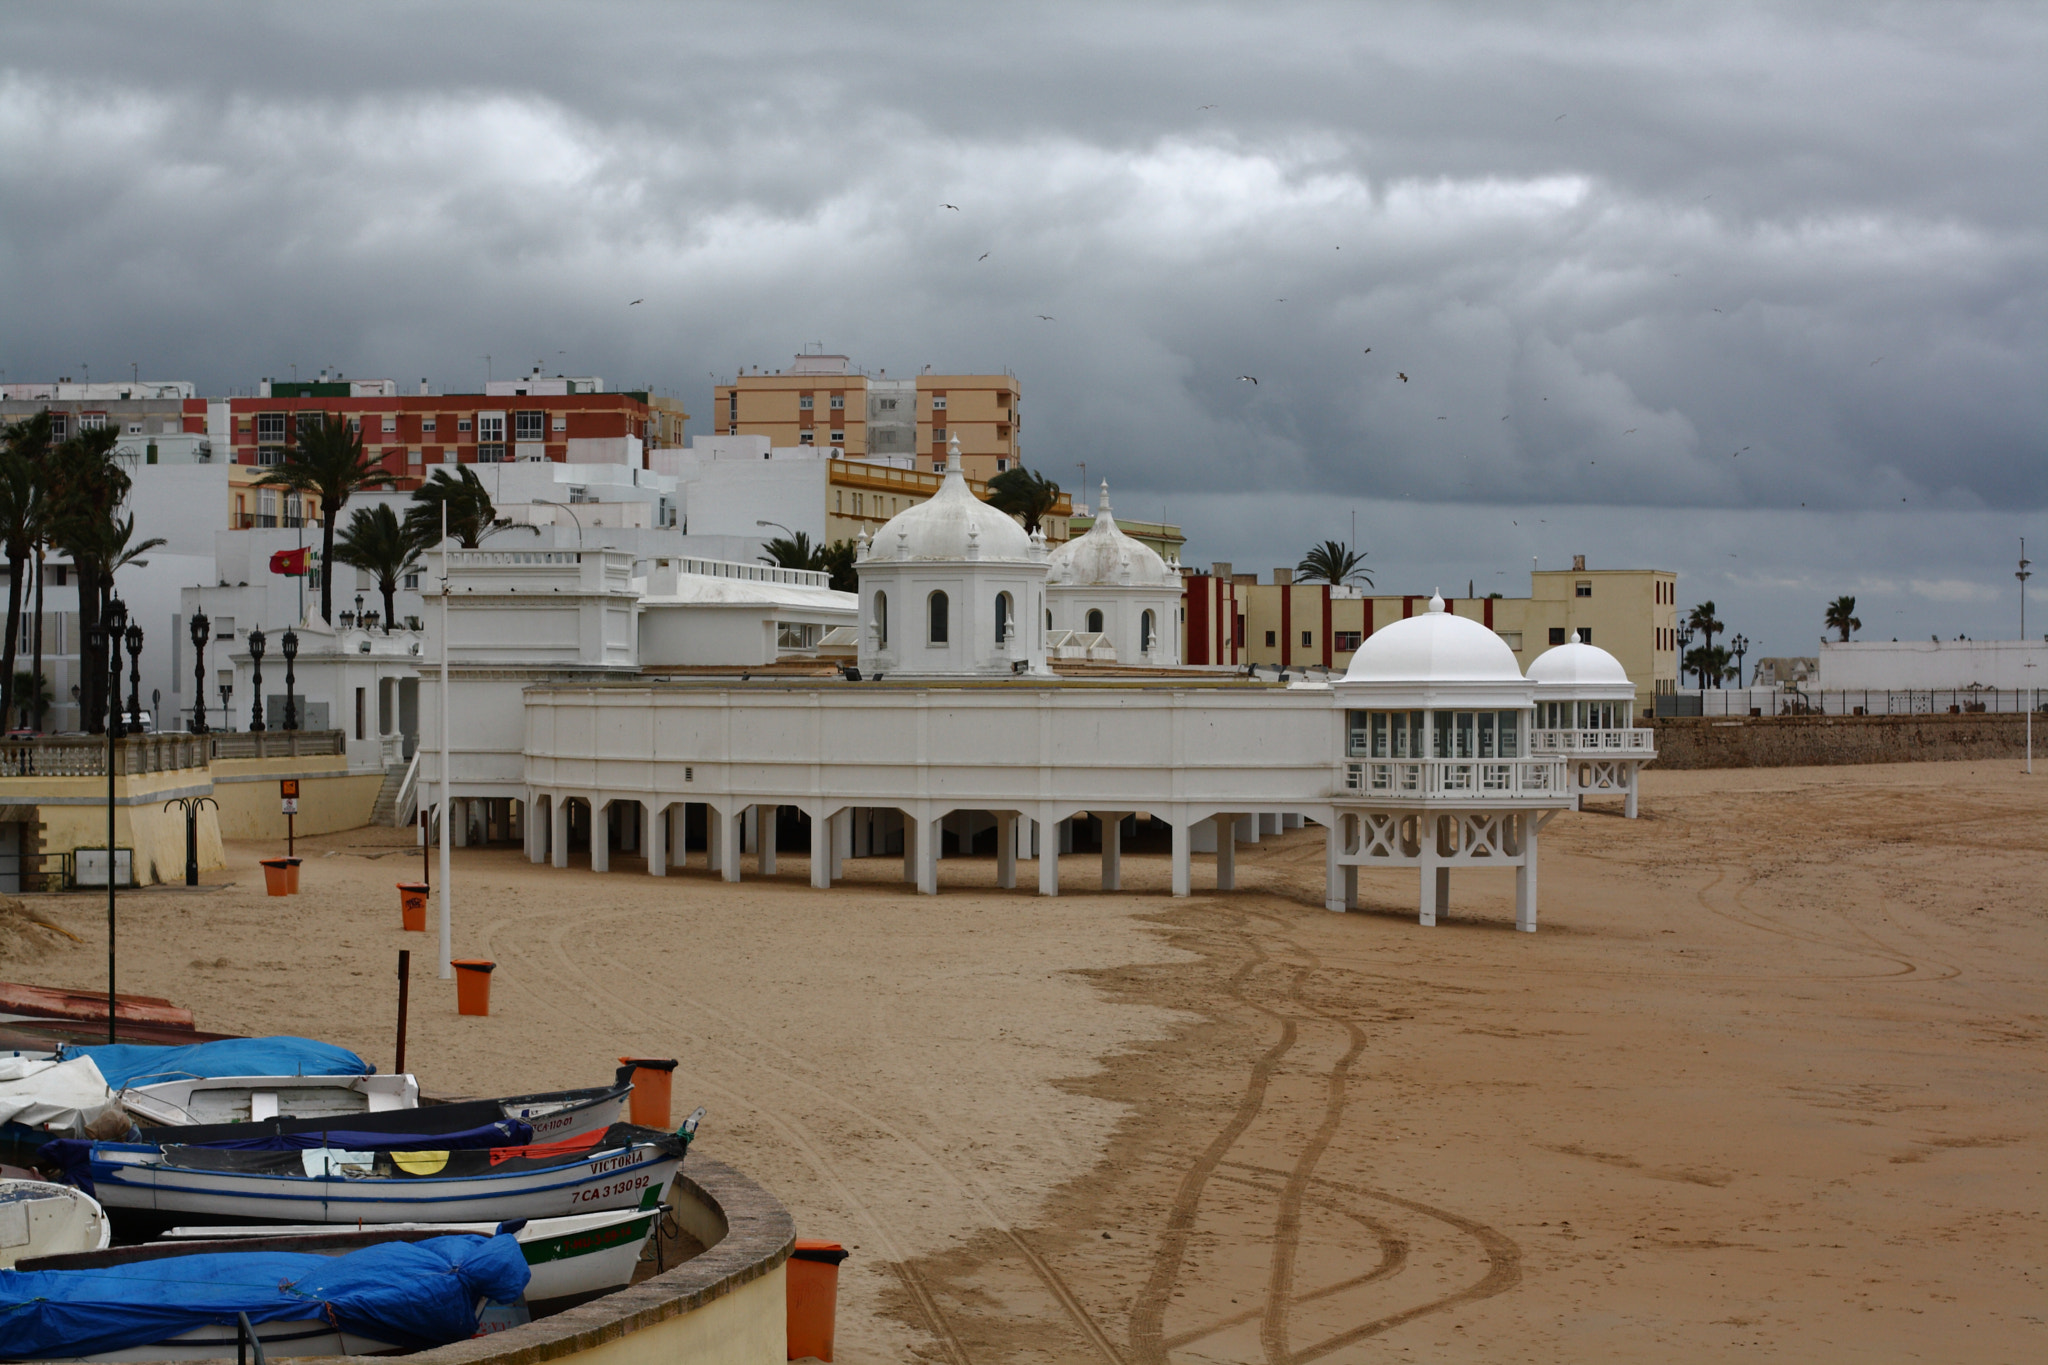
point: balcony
(1456, 779)
(1641, 743)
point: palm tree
(1842, 616)
(793, 551)
(1024, 494)
(376, 543)
(471, 514)
(838, 560)
(84, 485)
(1710, 661)
(1334, 562)
(21, 528)
(1702, 620)
(31, 692)
(329, 463)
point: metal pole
(447, 914)
(404, 984)
(111, 730)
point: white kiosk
(1584, 704)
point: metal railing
(86, 755)
(1869, 701)
(1593, 741)
(1455, 778)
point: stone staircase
(385, 811)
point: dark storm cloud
(1710, 267)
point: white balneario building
(1105, 583)
(1583, 702)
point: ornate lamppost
(106, 635)
(202, 630)
(291, 702)
(256, 679)
(114, 624)
(227, 693)
(1684, 644)
(1738, 647)
(134, 676)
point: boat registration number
(592, 1193)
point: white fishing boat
(41, 1219)
(625, 1168)
(573, 1259)
(245, 1099)
(554, 1116)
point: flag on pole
(290, 563)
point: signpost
(288, 790)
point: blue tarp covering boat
(412, 1295)
(126, 1064)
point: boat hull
(243, 1099)
(309, 1337)
(41, 1219)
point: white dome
(1577, 663)
(1434, 647)
(952, 524)
(1107, 557)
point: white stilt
(1629, 805)
(657, 838)
(1525, 878)
(1183, 857)
(823, 862)
(1112, 823)
(1333, 871)
(1048, 859)
(558, 831)
(911, 827)
(1006, 850)
(841, 825)
(711, 840)
(928, 839)
(1226, 853)
(728, 823)
(600, 837)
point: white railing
(406, 807)
(752, 573)
(1457, 779)
(1633, 741)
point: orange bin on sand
(278, 876)
(412, 906)
(813, 1274)
(652, 1078)
(291, 876)
(473, 985)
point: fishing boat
(573, 1259)
(200, 1100)
(392, 1296)
(554, 1116)
(625, 1167)
(41, 1219)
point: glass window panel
(1486, 749)
(1510, 739)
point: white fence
(1792, 701)
(1456, 779)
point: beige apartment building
(1630, 613)
(861, 495)
(822, 400)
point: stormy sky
(1752, 293)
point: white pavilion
(1105, 584)
(1583, 701)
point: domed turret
(952, 524)
(1576, 664)
(1435, 647)
(1108, 588)
(1107, 556)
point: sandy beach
(1767, 1084)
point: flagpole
(447, 915)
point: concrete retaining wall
(1801, 741)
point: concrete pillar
(458, 823)
(928, 856)
(1333, 871)
(1031, 849)
(764, 821)
(600, 837)
(1269, 823)
(535, 831)
(1525, 878)
(558, 830)
(841, 824)
(911, 828)
(1629, 805)
(1048, 845)
(656, 818)
(1426, 872)
(750, 829)
(1183, 857)
(1248, 828)
(713, 846)
(1006, 850)
(1291, 820)
(728, 844)
(824, 862)
(1226, 852)
(1112, 850)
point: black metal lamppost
(1738, 647)
(227, 692)
(202, 630)
(134, 635)
(291, 702)
(1684, 644)
(256, 680)
(106, 635)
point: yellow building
(1165, 539)
(1630, 613)
(860, 496)
(822, 400)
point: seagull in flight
(1046, 317)
(1245, 378)
(1404, 378)
(1559, 119)
(1200, 107)
(1368, 350)
(954, 207)
(1630, 432)
(636, 302)
(982, 257)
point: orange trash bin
(813, 1275)
(412, 906)
(653, 1078)
(277, 876)
(473, 985)
(291, 876)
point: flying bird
(954, 207)
(1201, 107)
(1878, 361)
(1046, 317)
(1368, 350)
(1630, 432)
(1243, 378)
(982, 257)
(636, 301)
(1558, 119)
(1503, 417)
(1443, 419)
(1404, 378)
(1717, 310)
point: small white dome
(1434, 647)
(951, 524)
(1107, 557)
(1577, 663)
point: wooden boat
(573, 1259)
(241, 1099)
(554, 1116)
(41, 1219)
(625, 1167)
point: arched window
(1145, 633)
(935, 607)
(881, 618)
(1002, 617)
(1095, 620)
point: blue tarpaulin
(126, 1064)
(413, 1295)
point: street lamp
(1685, 635)
(134, 676)
(1738, 647)
(202, 630)
(227, 693)
(291, 702)
(256, 679)
(105, 635)
(113, 625)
